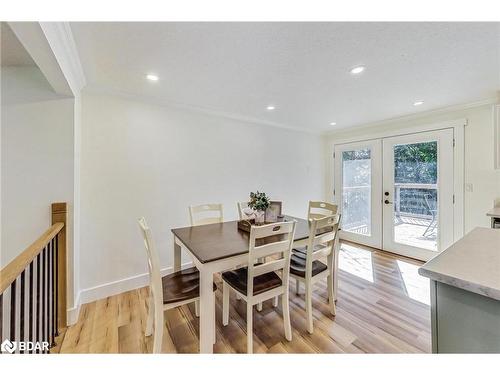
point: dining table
(219, 247)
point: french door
(418, 193)
(358, 176)
(396, 193)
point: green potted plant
(259, 202)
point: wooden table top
(223, 240)
(495, 212)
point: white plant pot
(260, 217)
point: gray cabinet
(462, 321)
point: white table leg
(207, 311)
(177, 257)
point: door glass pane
(356, 191)
(415, 195)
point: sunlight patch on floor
(356, 261)
(417, 287)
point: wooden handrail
(50, 253)
(12, 270)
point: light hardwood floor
(378, 311)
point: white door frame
(458, 162)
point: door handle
(387, 201)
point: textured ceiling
(302, 68)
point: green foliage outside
(416, 163)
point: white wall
(479, 149)
(36, 157)
(142, 159)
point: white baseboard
(73, 313)
(111, 289)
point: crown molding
(195, 109)
(62, 43)
(415, 116)
(251, 120)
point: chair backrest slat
(269, 249)
(327, 221)
(274, 229)
(319, 209)
(273, 265)
(323, 238)
(198, 214)
(271, 239)
(153, 265)
(320, 253)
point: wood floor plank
(77, 338)
(279, 348)
(105, 330)
(124, 308)
(183, 334)
(132, 335)
(375, 314)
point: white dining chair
(306, 266)
(262, 281)
(167, 292)
(319, 209)
(206, 214)
(242, 206)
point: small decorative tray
(245, 225)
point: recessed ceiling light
(358, 69)
(152, 77)
(333, 123)
(418, 102)
(270, 107)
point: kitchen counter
(465, 294)
(472, 263)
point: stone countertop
(472, 263)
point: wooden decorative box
(245, 225)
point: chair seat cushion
(238, 280)
(181, 285)
(298, 265)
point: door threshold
(371, 248)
